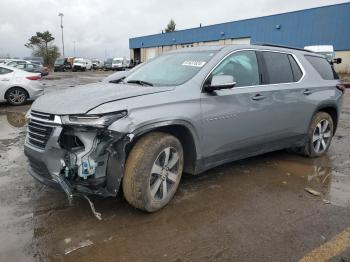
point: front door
(238, 120)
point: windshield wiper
(140, 82)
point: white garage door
(237, 41)
(150, 53)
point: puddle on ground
(11, 124)
(322, 175)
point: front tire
(319, 136)
(153, 171)
(16, 96)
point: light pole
(61, 15)
(74, 48)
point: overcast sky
(103, 28)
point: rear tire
(16, 96)
(319, 136)
(153, 171)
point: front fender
(127, 126)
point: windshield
(59, 61)
(79, 61)
(109, 61)
(117, 60)
(171, 69)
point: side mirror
(337, 60)
(220, 82)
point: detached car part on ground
(185, 111)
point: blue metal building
(327, 25)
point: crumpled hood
(81, 99)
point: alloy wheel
(322, 136)
(164, 173)
(17, 96)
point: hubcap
(322, 136)
(164, 173)
(17, 96)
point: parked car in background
(18, 86)
(188, 110)
(108, 64)
(35, 60)
(44, 71)
(14, 62)
(81, 64)
(97, 64)
(62, 64)
(119, 63)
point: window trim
(262, 70)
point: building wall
(344, 67)
(315, 26)
(150, 52)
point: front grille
(40, 128)
(42, 115)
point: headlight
(93, 120)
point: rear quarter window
(322, 66)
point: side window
(243, 66)
(297, 73)
(20, 66)
(4, 71)
(278, 68)
(322, 66)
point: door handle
(258, 97)
(307, 92)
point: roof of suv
(236, 47)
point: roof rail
(283, 46)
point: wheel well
(186, 139)
(333, 113)
(5, 97)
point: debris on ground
(312, 191)
(81, 244)
(93, 210)
(326, 201)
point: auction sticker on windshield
(194, 63)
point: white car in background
(119, 63)
(81, 64)
(15, 62)
(18, 86)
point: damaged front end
(77, 154)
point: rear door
(283, 75)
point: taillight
(341, 87)
(33, 77)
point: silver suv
(185, 111)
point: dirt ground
(251, 210)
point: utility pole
(61, 15)
(74, 48)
